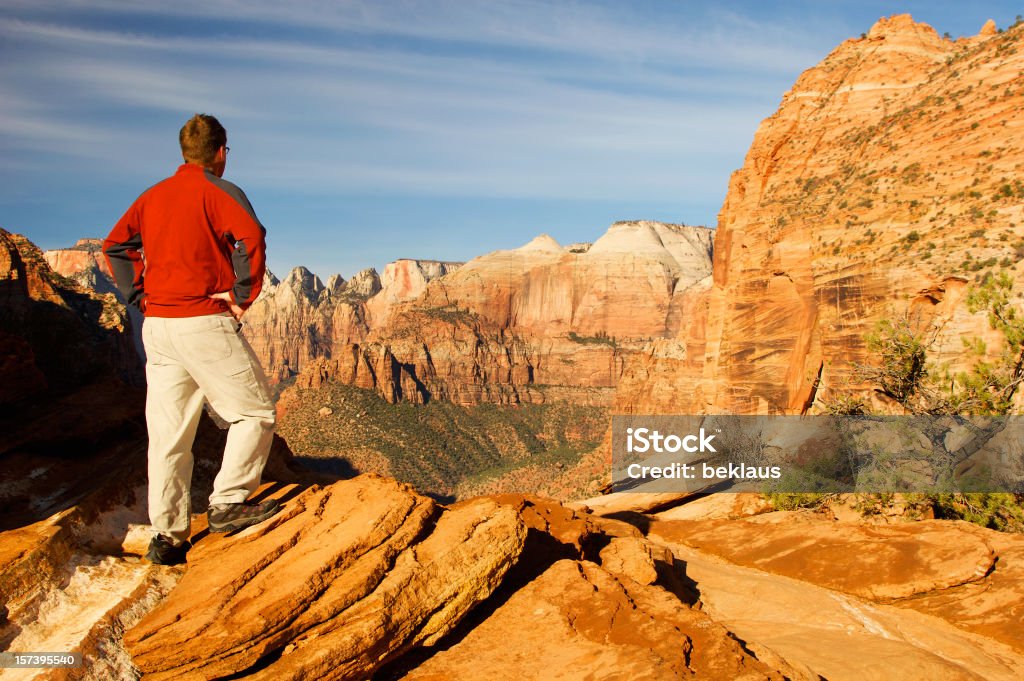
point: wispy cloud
(423, 120)
(676, 34)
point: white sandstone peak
(544, 242)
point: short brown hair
(200, 138)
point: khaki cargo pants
(190, 359)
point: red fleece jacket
(184, 238)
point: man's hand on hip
(226, 297)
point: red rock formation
(534, 323)
(889, 170)
(299, 320)
(404, 280)
(85, 257)
(366, 576)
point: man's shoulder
(233, 191)
(224, 185)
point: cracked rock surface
(344, 578)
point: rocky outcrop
(364, 284)
(57, 335)
(85, 264)
(586, 621)
(887, 173)
(406, 279)
(859, 601)
(289, 323)
(472, 362)
(623, 287)
(369, 567)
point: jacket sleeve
(243, 229)
(249, 260)
(123, 251)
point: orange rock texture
(342, 580)
(887, 182)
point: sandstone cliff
(524, 325)
(83, 262)
(887, 181)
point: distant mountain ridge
(529, 324)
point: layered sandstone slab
(578, 620)
(881, 563)
(856, 600)
(993, 606)
(342, 579)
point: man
(190, 254)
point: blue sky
(369, 131)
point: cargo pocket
(209, 341)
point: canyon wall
(887, 183)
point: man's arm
(249, 262)
(243, 229)
(123, 251)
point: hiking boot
(163, 552)
(231, 517)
